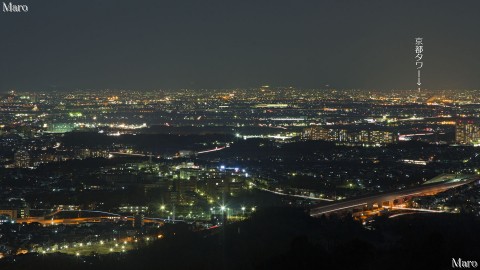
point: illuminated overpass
(389, 199)
(56, 218)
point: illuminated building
(15, 208)
(22, 159)
(316, 133)
(467, 132)
(380, 137)
(346, 136)
(188, 173)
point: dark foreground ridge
(287, 238)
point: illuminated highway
(292, 195)
(392, 198)
(212, 150)
(54, 218)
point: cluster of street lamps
(118, 245)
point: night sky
(135, 44)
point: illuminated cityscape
(125, 164)
(315, 135)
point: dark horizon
(218, 44)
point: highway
(292, 195)
(390, 198)
(101, 216)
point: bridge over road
(390, 199)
